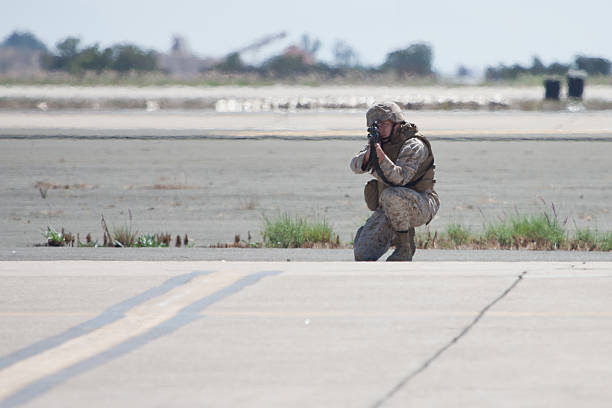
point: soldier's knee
(398, 196)
(360, 251)
(390, 197)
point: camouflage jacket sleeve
(413, 153)
(357, 161)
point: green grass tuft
(604, 242)
(458, 235)
(586, 239)
(58, 239)
(149, 241)
(286, 231)
(541, 230)
(53, 237)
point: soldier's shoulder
(414, 145)
(409, 129)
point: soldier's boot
(405, 248)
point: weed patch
(458, 235)
(605, 241)
(527, 231)
(122, 237)
(520, 231)
(287, 231)
(58, 239)
(589, 240)
(239, 243)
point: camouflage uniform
(399, 209)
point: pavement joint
(455, 339)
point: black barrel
(553, 89)
(575, 86)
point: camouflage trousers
(400, 209)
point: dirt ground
(213, 189)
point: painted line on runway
(153, 319)
(460, 135)
(455, 339)
(109, 316)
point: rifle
(373, 138)
(374, 134)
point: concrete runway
(327, 334)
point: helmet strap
(388, 139)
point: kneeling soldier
(402, 194)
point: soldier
(402, 194)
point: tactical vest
(422, 180)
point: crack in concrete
(441, 351)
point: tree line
(591, 65)
(70, 55)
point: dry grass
(55, 186)
(43, 187)
(123, 237)
(238, 243)
(172, 187)
(248, 203)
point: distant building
(20, 61)
(296, 51)
(180, 61)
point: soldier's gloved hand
(380, 154)
(366, 158)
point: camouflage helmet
(385, 111)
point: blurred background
(314, 42)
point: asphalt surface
(216, 175)
(303, 334)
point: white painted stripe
(136, 321)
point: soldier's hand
(380, 153)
